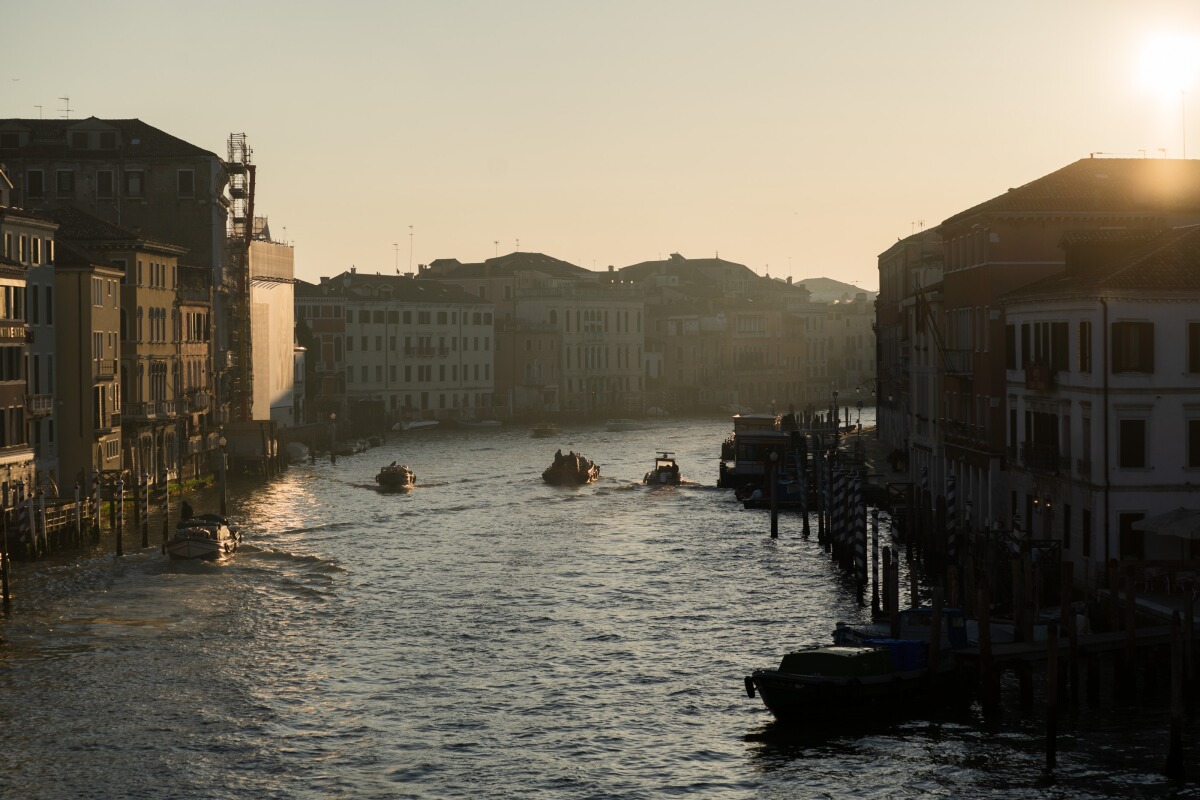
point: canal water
(485, 635)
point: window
(35, 183)
(65, 181)
(134, 186)
(377, 317)
(108, 140)
(1133, 544)
(1132, 443)
(1193, 442)
(1010, 346)
(1133, 347)
(1085, 532)
(1066, 529)
(186, 183)
(104, 184)
(1084, 349)
(364, 316)
(79, 140)
(1193, 356)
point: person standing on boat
(185, 510)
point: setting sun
(1170, 62)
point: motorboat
(621, 425)
(665, 472)
(419, 425)
(396, 476)
(206, 537)
(570, 470)
(545, 430)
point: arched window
(139, 323)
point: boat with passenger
(665, 472)
(207, 537)
(572, 469)
(396, 476)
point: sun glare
(1170, 63)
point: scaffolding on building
(236, 280)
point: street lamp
(221, 442)
(837, 419)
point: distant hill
(826, 290)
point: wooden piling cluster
(983, 571)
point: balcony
(419, 352)
(151, 410)
(1039, 378)
(199, 399)
(104, 369)
(39, 405)
(960, 362)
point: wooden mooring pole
(989, 681)
(1174, 767)
(1051, 696)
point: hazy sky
(798, 138)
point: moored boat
(396, 476)
(206, 537)
(665, 471)
(861, 671)
(621, 425)
(419, 425)
(545, 430)
(570, 470)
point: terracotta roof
(355, 285)
(504, 265)
(135, 139)
(1093, 186)
(1169, 262)
(74, 223)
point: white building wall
(272, 331)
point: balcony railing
(960, 362)
(419, 352)
(39, 405)
(1041, 457)
(104, 369)
(151, 409)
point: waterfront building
(1103, 372)
(272, 327)
(151, 387)
(321, 328)
(568, 339)
(414, 349)
(910, 280)
(88, 314)
(193, 331)
(725, 336)
(28, 244)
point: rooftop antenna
(518, 245)
(496, 244)
(410, 246)
(396, 248)
(39, 108)
(66, 111)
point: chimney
(789, 280)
